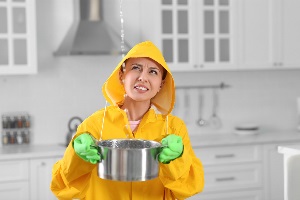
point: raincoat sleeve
(184, 176)
(71, 175)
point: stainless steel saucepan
(128, 159)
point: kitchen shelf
(220, 86)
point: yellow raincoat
(73, 178)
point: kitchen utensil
(200, 121)
(176, 107)
(128, 159)
(186, 106)
(73, 123)
(215, 121)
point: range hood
(90, 34)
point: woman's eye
(136, 67)
(153, 72)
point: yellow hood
(113, 90)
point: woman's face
(142, 78)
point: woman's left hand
(172, 148)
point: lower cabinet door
(232, 177)
(237, 195)
(14, 190)
(40, 178)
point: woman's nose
(143, 77)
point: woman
(141, 92)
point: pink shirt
(134, 124)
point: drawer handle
(225, 179)
(225, 156)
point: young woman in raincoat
(141, 92)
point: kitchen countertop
(201, 140)
(290, 149)
(206, 140)
(10, 152)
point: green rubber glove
(85, 148)
(172, 150)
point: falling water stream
(123, 52)
(122, 30)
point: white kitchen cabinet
(231, 171)
(25, 171)
(237, 195)
(18, 37)
(14, 179)
(254, 34)
(286, 31)
(193, 35)
(274, 184)
(268, 35)
(233, 177)
(40, 178)
(27, 178)
(14, 190)
(224, 34)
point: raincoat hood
(164, 100)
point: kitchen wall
(71, 86)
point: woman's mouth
(141, 88)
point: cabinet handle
(43, 164)
(225, 156)
(200, 66)
(278, 64)
(225, 179)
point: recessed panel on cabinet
(20, 51)
(229, 154)
(236, 195)
(19, 20)
(3, 20)
(4, 52)
(233, 177)
(14, 170)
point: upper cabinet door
(286, 33)
(255, 45)
(268, 34)
(176, 32)
(193, 35)
(214, 41)
(17, 37)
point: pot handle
(99, 151)
(162, 146)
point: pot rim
(156, 144)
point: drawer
(233, 177)
(14, 190)
(229, 154)
(14, 170)
(236, 195)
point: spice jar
(25, 135)
(4, 122)
(4, 138)
(19, 137)
(19, 122)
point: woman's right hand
(85, 148)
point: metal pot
(128, 159)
